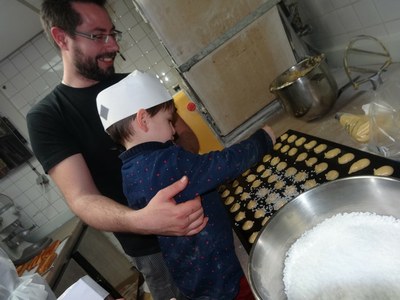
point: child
(138, 113)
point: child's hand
(270, 132)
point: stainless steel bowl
(373, 194)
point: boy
(138, 113)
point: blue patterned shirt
(204, 265)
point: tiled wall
(28, 74)
(335, 22)
(32, 71)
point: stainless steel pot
(373, 194)
(307, 89)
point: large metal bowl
(380, 195)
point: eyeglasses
(101, 37)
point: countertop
(326, 127)
(68, 234)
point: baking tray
(258, 193)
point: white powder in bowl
(348, 256)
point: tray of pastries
(298, 163)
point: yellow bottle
(355, 125)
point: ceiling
(19, 22)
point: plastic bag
(384, 116)
(30, 287)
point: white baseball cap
(125, 98)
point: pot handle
(347, 85)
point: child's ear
(142, 118)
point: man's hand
(163, 216)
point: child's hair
(122, 130)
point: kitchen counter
(86, 251)
(68, 234)
(326, 127)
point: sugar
(348, 256)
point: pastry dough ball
(259, 213)
(244, 196)
(284, 136)
(240, 216)
(320, 148)
(279, 185)
(248, 225)
(229, 200)
(310, 145)
(234, 208)
(262, 192)
(345, 158)
(384, 171)
(282, 165)
(311, 161)
(266, 173)
(272, 197)
(291, 191)
(359, 165)
(278, 204)
(292, 138)
(245, 173)
(321, 167)
(265, 220)
(292, 152)
(290, 171)
(285, 149)
(267, 158)
(332, 153)
(310, 184)
(302, 156)
(256, 184)
(272, 178)
(301, 176)
(275, 161)
(239, 190)
(332, 175)
(252, 204)
(277, 146)
(251, 178)
(300, 141)
(235, 183)
(253, 237)
(225, 193)
(260, 168)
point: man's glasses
(101, 37)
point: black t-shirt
(65, 123)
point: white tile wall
(32, 71)
(335, 22)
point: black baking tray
(266, 188)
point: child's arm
(270, 132)
(208, 171)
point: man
(69, 141)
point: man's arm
(162, 216)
